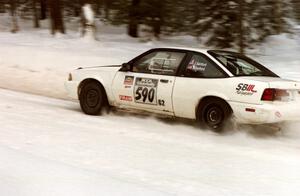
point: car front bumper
(72, 89)
(274, 112)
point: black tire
(214, 114)
(92, 98)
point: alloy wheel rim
(214, 116)
(92, 98)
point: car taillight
(269, 94)
(281, 93)
(272, 94)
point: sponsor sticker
(147, 82)
(196, 66)
(125, 98)
(245, 89)
(128, 80)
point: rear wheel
(213, 113)
(92, 98)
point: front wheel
(92, 98)
(213, 114)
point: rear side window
(201, 67)
(241, 65)
(159, 62)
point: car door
(199, 77)
(149, 83)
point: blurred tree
(2, 6)
(71, 8)
(57, 23)
(239, 23)
(219, 22)
(267, 19)
(278, 16)
(296, 9)
(129, 12)
(98, 4)
(13, 11)
(152, 15)
(35, 14)
(133, 23)
(107, 5)
(119, 12)
(241, 26)
(103, 8)
(43, 7)
(179, 17)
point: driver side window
(159, 62)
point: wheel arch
(203, 100)
(88, 80)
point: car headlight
(70, 78)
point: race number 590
(145, 95)
(145, 90)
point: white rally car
(210, 86)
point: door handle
(164, 81)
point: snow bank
(39, 63)
(36, 62)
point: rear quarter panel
(188, 92)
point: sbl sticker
(128, 80)
(246, 89)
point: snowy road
(48, 147)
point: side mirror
(125, 67)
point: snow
(48, 147)
(55, 149)
(40, 176)
(88, 13)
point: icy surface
(48, 147)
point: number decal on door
(145, 94)
(145, 91)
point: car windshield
(240, 65)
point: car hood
(105, 67)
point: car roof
(201, 50)
(182, 48)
